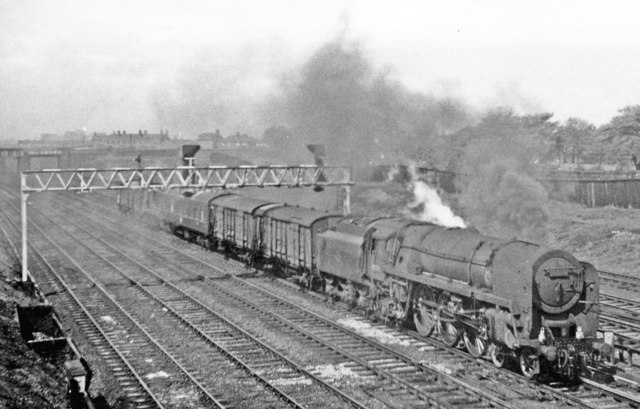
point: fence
(590, 189)
(616, 192)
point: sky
(117, 64)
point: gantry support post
(23, 198)
(346, 201)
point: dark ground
(27, 381)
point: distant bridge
(23, 157)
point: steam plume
(433, 209)
(428, 206)
(394, 172)
(500, 195)
(363, 116)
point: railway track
(590, 395)
(619, 306)
(625, 282)
(408, 383)
(622, 317)
(404, 382)
(230, 363)
(9, 256)
(136, 391)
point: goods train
(514, 300)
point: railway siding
(583, 400)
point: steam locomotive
(513, 300)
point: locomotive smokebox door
(559, 283)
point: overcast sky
(70, 64)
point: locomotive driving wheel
(447, 326)
(425, 316)
(475, 342)
(529, 362)
(449, 333)
(498, 356)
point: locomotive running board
(464, 289)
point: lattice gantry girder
(187, 177)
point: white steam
(433, 209)
(393, 172)
(427, 204)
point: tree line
(574, 143)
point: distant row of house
(214, 140)
(124, 138)
(142, 138)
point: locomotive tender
(507, 298)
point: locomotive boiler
(510, 299)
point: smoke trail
(499, 193)
(363, 116)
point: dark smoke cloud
(338, 98)
(500, 195)
(219, 90)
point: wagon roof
(169, 192)
(241, 203)
(208, 196)
(299, 215)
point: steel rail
(386, 374)
(560, 395)
(625, 279)
(104, 292)
(575, 400)
(78, 304)
(167, 283)
(631, 400)
(142, 288)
